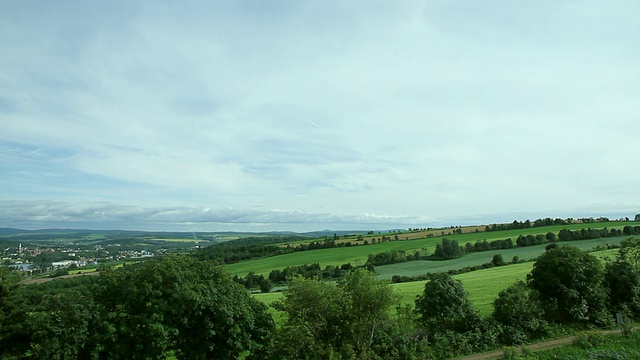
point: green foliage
(509, 354)
(448, 249)
(623, 285)
(60, 326)
(10, 307)
(180, 305)
(595, 347)
(174, 305)
(519, 311)
(444, 306)
(497, 260)
(346, 320)
(569, 283)
(589, 340)
(387, 257)
(630, 251)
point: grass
(357, 255)
(483, 285)
(594, 346)
(420, 267)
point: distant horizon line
(597, 219)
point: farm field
(357, 255)
(483, 285)
(502, 234)
(420, 267)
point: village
(32, 259)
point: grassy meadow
(483, 285)
(357, 255)
(419, 267)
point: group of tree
(276, 276)
(515, 225)
(484, 245)
(174, 305)
(351, 320)
(393, 257)
(448, 249)
(585, 234)
(232, 252)
(567, 287)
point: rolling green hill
(357, 255)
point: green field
(357, 255)
(483, 285)
(420, 267)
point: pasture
(483, 285)
(420, 267)
(357, 255)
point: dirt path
(534, 347)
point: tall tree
(518, 309)
(180, 305)
(12, 314)
(569, 282)
(324, 319)
(630, 251)
(623, 285)
(369, 301)
(444, 305)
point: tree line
(516, 225)
(228, 253)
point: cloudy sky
(307, 115)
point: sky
(310, 115)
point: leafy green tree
(519, 310)
(369, 303)
(60, 325)
(325, 320)
(448, 249)
(11, 313)
(444, 305)
(569, 282)
(315, 312)
(630, 251)
(623, 285)
(265, 285)
(497, 260)
(180, 305)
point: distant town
(35, 252)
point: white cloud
(420, 109)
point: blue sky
(306, 115)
